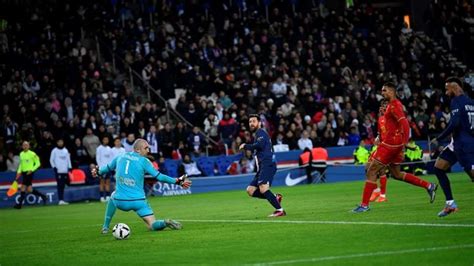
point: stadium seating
(207, 165)
(223, 162)
(172, 167)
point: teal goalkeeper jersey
(130, 169)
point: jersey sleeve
(69, 164)
(259, 142)
(52, 157)
(109, 167)
(36, 161)
(453, 122)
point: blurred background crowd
(185, 75)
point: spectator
(153, 141)
(90, 142)
(12, 161)
(196, 142)
(304, 141)
(79, 154)
(166, 140)
(189, 167)
(60, 161)
(211, 124)
(127, 142)
(10, 129)
(227, 128)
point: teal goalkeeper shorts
(140, 206)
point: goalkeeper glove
(184, 181)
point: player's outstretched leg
(175, 225)
(273, 199)
(414, 180)
(448, 209)
(159, 225)
(41, 195)
(109, 214)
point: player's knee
(250, 191)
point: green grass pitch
(229, 228)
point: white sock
(382, 195)
(449, 202)
(280, 210)
(377, 190)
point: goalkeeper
(130, 169)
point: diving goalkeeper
(130, 169)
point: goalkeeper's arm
(182, 181)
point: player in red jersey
(390, 150)
(379, 193)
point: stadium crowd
(313, 74)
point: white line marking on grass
(371, 254)
(255, 222)
(329, 222)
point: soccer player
(390, 150)
(461, 148)
(379, 193)
(29, 163)
(130, 169)
(259, 187)
(60, 160)
(104, 155)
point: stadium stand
(305, 69)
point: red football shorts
(389, 154)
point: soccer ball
(121, 231)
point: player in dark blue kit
(266, 167)
(461, 148)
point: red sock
(383, 184)
(368, 188)
(414, 180)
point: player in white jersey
(104, 156)
(60, 161)
(117, 149)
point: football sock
(368, 189)
(258, 194)
(272, 199)
(383, 184)
(22, 197)
(444, 183)
(109, 213)
(449, 202)
(414, 180)
(158, 225)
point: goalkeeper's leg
(148, 217)
(158, 225)
(109, 214)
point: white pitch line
(370, 254)
(331, 222)
(260, 222)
